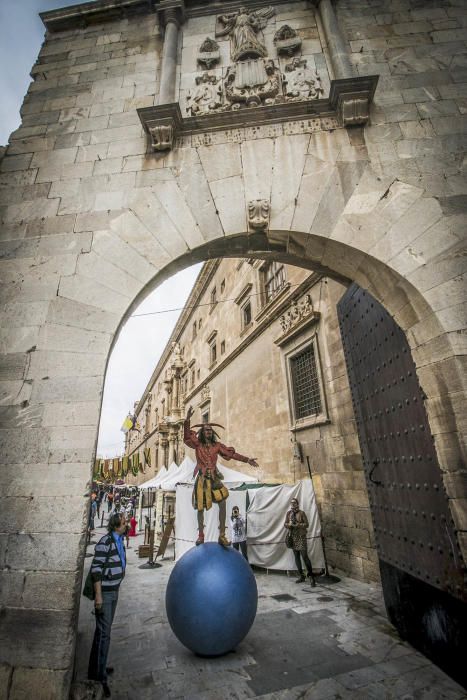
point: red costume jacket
(206, 455)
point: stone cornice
(347, 105)
(85, 14)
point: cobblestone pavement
(324, 643)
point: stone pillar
(176, 392)
(171, 17)
(168, 394)
(164, 443)
(172, 445)
(338, 51)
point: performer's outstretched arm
(229, 453)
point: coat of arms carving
(209, 53)
(252, 83)
(287, 41)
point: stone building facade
(258, 350)
(291, 149)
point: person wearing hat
(208, 486)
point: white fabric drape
(265, 525)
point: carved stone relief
(209, 53)
(252, 83)
(253, 79)
(205, 393)
(162, 137)
(302, 82)
(245, 30)
(298, 311)
(258, 214)
(206, 97)
(287, 41)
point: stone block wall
(417, 136)
(91, 221)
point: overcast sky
(142, 340)
(135, 355)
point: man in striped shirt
(107, 571)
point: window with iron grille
(274, 279)
(305, 382)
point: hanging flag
(128, 423)
(125, 465)
(97, 468)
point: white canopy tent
(176, 476)
(157, 481)
(265, 526)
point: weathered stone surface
(5, 678)
(43, 552)
(41, 684)
(47, 638)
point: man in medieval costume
(208, 486)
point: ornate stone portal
(254, 79)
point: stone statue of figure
(244, 27)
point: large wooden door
(421, 566)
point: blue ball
(211, 599)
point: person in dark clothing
(107, 571)
(99, 499)
(297, 522)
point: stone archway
(329, 210)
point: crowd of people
(117, 502)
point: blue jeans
(100, 645)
